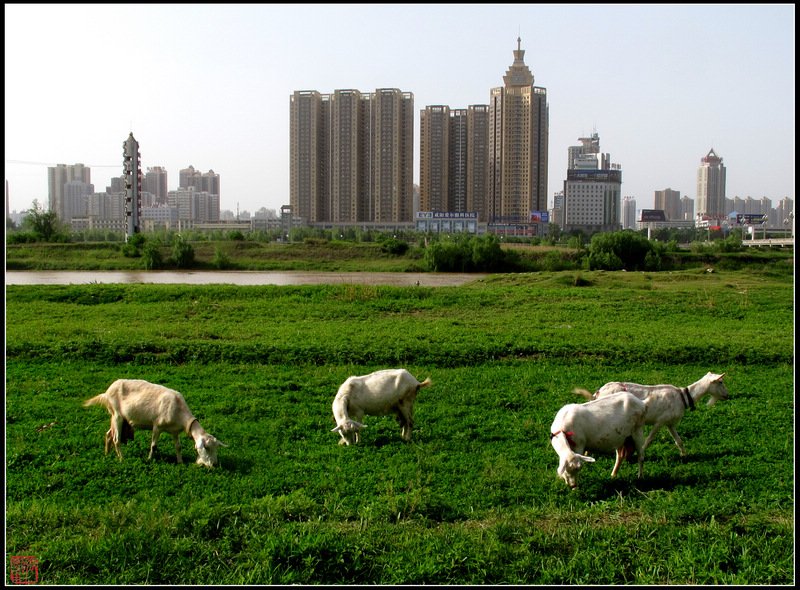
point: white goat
(390, 391)
(666, 404)
(600, 425)
(137, 404)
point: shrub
(394, 246)
(618, 250)
(129, 251)
(136, 240)
(182, 253)
(221, 260)
(152, 256)
(21, 238)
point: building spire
(518, 74)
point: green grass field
(473, 499)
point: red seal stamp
(24, 569)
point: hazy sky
(209, 85)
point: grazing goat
(137, 404)
(666, 404)
(600, 425)
(390, 391)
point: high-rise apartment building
(592, 190)
(669, 201)
(434, 159)
(155, 182)
(351, 155)
(57, 177)
(518, 140)
(687, 208)
(453, 159)
(75, 199)
(711, 187)
(629, 212)
(478, 160)
(392, 155)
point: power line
(53, 164)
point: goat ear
(359, 424)
(586, 458)
(220, 443)
(337, 429)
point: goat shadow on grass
(612, 488)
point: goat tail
(583, 392)
(425, 383)
(98, 399)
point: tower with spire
(518, 144)
(711, 187)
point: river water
(57, 277)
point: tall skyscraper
(57, 177)
(518, 140)
(351, 155)
(155, 182)
(308, 151)
(629, 212)
(478, 160)
(711, 186)
(349, 161)
(434, 159)
(392, 155)
(453, 159)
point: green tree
(45, 225)
(487, 255)
(622, 249)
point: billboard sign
(540, 217)
(646, 215)
(750, 218)
(447, 215)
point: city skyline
(661, 84)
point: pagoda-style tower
(132, 171)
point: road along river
(68, 277)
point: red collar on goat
(566, 435)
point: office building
(592, 190)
